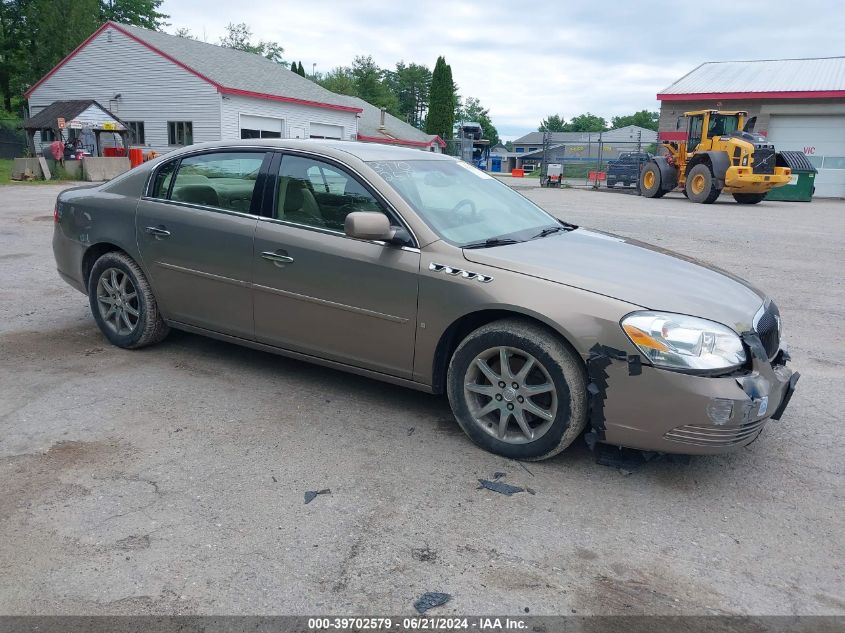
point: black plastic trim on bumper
(793, 380)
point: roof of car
(362, 151)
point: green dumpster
(803, 182)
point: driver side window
(314, 193)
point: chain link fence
(597, 161)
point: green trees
(411, 84)
(588, 122)
(143, 13)
(370, 84)
(643, 118)
(239, 36)
(472, 110)
(552, 123)
(36, 34)
(442, 102)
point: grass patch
(59, 175)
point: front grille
(715, 435)
(768, 329)
(764, 160)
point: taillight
(56, 215)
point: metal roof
(235, 69)
(67, 110)
(763, 78)
(395, 129)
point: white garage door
(261, 126)
(822, 138)
(322, 130)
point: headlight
(676, 341)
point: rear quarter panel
(96, 215)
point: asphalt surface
(172, 479)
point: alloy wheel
(117, 301)
(510, 395)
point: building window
(48, 135)
(180, 133)
(520, 150)
(136, 132)
(248, 133)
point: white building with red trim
(799, 105)
(172, 91)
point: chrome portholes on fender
(458, 272)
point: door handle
(276, 258)
(157, 231)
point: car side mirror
(367, 225)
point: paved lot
(171, 480)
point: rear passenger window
(224, 180)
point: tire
(701, 185)
(555, 366)
(610, 184)
(749, 198)
(651, 177)
(137, 321)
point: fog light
(720, 410)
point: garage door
(322, 130)
(261, 126)
(822, 138)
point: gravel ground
(171, 480)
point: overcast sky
(525, 61)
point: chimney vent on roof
(381, 122)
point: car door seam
(331, 304)
(200, 273)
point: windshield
(723, 124)
(463, 204)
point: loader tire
(701, 185)
(650, 182)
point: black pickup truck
(626, 168)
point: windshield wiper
(493, 241)
(564, 226)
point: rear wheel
(701, 185)
(749, 198)
(517, 390)
(650, 184)
(123, 303)
(611, 184)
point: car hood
(631, 271)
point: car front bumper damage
(639, 406)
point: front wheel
(749, 198)
(650, 184)
(123, 303)
(701, 185)
(518, 390)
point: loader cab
(696, 126)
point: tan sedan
(420, 270)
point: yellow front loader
(721, 154)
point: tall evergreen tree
(300, 70)
(293, 68)
(441, 107)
